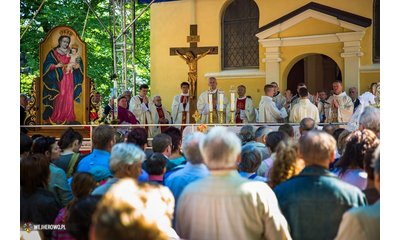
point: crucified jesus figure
(191, 60)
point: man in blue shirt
(314, 201)
(125, 162)
(103, 140)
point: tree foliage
(99, 45)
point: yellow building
(261, 41)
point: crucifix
(191, 55)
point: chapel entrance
(317, 71)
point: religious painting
(62, 57)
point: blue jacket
(96, 158)
(314, 201)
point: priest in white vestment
(244, 107)
(268, 112)
(304, 109)
(162, 116)
(180, 107)
(144, 109)
(340, 106)
(203, 107)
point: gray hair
(246, 133)
(307, 124)
(370, 119)
(250, 159)
(220, 148)
(123, 154)
(317, 147)
(353, 88)
(329, 128)
(156, 96)
(191, 149)
(160, 142)
(126, 91)
(261, 132)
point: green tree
(99, 46)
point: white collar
(241, 98)
(339, 95)
(215, 90)
(264, 97)
(185, 94)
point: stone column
(272, 64)
(351, 54)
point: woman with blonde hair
(287, 163)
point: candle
(221, 101)
(232, 101)
(210, 102)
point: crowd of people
(209, 184)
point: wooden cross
(193, 39)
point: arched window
(240, 45)
(376, 31)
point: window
(240, 45)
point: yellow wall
(170, 23)
(366, 80)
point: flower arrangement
(96, 120)
(202, 128)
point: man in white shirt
(304, 108)
(144, 109)
(162, 116)
(268, 112)
(203, 107)
(180, 106)
(225, 205)
(244, 107)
